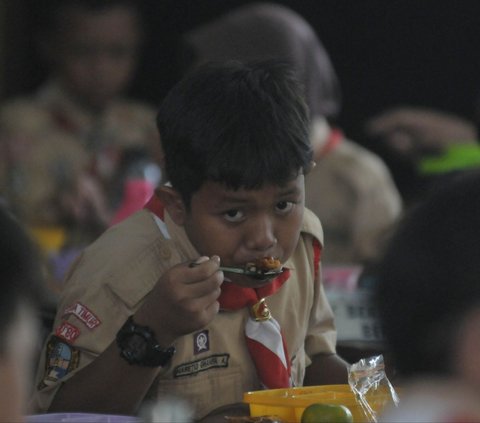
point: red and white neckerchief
(264, 338)
(263, 335)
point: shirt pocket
(206, 391)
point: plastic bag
(370, 384)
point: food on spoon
(264, 264)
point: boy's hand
(183, 300)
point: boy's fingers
(198, 261)
(206, 287)
(204, 267)
(204, 259)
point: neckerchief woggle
(263, 335)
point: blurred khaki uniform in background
(353, 192)
(49, 143)
(59, 166)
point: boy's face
(96, 53)
(244, 225)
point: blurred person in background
(350, 189)
(62, 147)
(20, 276)
(428, 297)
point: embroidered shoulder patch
(68, 332)
(61, 359)
(83, 314)
(194, 367)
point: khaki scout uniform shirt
(212, 367)
(47, 140)
(353, 193)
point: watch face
(135, 346)
(138, 346)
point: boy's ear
(174, 204)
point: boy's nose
(261, 235)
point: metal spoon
(258, 274)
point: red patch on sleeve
(90, 320)
(68, 332)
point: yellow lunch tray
(289, 403)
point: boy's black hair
(429, 277)
(20, 272)
(240, 124)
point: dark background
(385, 52)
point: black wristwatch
(138, 346)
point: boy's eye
(234, 215)
(284, 206)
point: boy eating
(138, 321)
